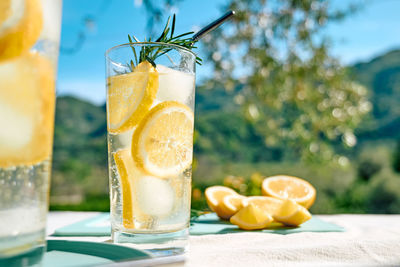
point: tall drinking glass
(150, 105)
(29, 42)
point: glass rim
(178, 47)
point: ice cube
(20, 220)
(155, 196)
(125, 138)
(174, 85)
(17, 130)
(51, 18)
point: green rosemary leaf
(133, 50)
(132, 65)
(134, 54)
(136, 39)
(151, 53)
(194, 214)
(163, 32)
(181, 35)
(173, 26)
(151, 61)
(162, 53)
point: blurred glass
(29, 44)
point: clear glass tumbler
(29, 45)
(150, 107)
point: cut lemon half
(162, 144)
(251, 217)
(229, 205)
(27, 101)
(215, 195)
(21, 22)
(130, 96)
(289, 187)
(292, 214)
(268, 204)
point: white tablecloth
(369, 240)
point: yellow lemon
(125, 166)
(268, 204)
(162, 144)
(130, 96)
(251, 217)
(21, 22)
(215, 195)
(288, 187)
(27, 101)
(229, 205)
(129, 176)
(292, 214)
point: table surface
(369, 240)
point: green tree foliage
(296, 94)
(80, 150)
(396, 157)
(382, 74)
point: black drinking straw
(213, 25)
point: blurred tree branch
(298, 96)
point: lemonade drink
(29, 40)
(150, 143)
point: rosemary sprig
(151, 53)
(194, 214)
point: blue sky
(374, 30)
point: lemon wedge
(162, 144)
(292, 214)
(130, 96)
(268, 204)
(21, 22)
(251, 217)
(27, 101)
(289, 187)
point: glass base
(16, 245)
(159, 244)
(32, 258)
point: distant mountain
(80, 150)
(381, 76)
(79, 128)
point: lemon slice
(133, 217)
(215, 194)
(268, 204)
(288, 187)
(20, 25)
(162, 144)
(292, 214)
(27, 100)
(251, 217)
(229, 205)
(125, 166)
(130, 96)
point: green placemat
(67, 253)
(206, 224)
(210, 224)
(98, 225)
